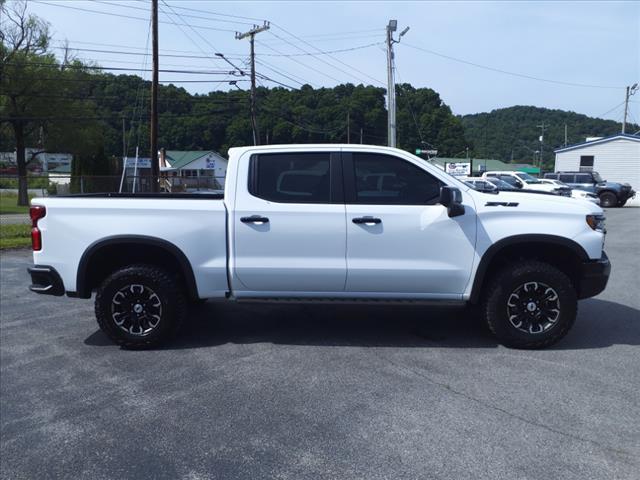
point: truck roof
(313, 146)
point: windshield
(597, 177)
(528, 178)
(502, 185)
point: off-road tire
(608, 200)
(172, 299)
(506, 281)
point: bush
(33, 181)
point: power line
(203, 38)
(303, 64)
(261, 75)
(119, 52)
(272, 69)
(609, 111)
(90, 67)
(184, 15)
(321, 59)
(88, 10)
(514, 74)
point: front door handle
(254, 219)
(366, 220)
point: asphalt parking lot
(294, 392)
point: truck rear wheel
(530, 305)
(140, 306)
(608, 200)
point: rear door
(400, 240)
(289, 224)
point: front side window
(291, 177)
(387, 180)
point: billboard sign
(458, 169)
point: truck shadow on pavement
(599, 324)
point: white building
(616, 158)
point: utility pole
(252, 34)
(124, 142)
(155, 167)
(542, 128)
(348, 128)
(391, 86)
(565, 134)
(360, 136)
(630, 91)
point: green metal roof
(181, 158)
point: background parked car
(525, 181)
(611, 194)
(480, 184)
(575, 193)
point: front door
(289, 225)
(400, 240)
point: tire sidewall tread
(174, 304)
(510, 277)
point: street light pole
(391, 86)
(630, 91)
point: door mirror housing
(451, 197)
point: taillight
(36, 212)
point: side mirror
(519, 184)
(451, 198)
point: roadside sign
(458, 169)
(420, 151)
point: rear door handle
(366, 220)
(254, 219)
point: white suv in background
(576, 192)
(525, 181)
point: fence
(56, 184)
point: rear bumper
(594, 278)
(45, 280)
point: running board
(350, 301)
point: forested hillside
(513, 133)
(220, 119)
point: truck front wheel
(530, 305)
(140, 306)
(608, 200)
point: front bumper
(594, 278)
(45, 280)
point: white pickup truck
(323, 223)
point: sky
(478, 56)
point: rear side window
(387, 180)
(291, 177)
(567, 178)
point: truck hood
(544, 187)
(537, 202)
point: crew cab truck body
(323, 222)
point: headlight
(596, 222)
